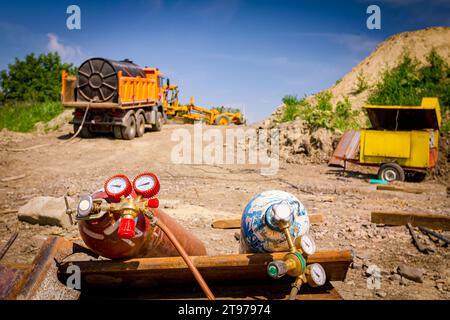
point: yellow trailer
(403, 139)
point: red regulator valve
(146, 185)
(153, 203)
(118, 186)
(126, 228)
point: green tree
(33, 79)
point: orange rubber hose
(186, 259)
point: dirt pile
(300, 144)
(442, 172)
(386, 56)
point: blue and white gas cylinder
(261, 217)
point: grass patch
(23, 116)
(361, 84)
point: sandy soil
(198, 194)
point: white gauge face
(317, 274)
(308, 244)
(116, 185)
(145, 183)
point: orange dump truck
(114, 96)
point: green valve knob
(277, 269)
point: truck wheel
(390, 172)
(140, 125)
(158, 125)
(85, 132)
(117, 132)
(223, 120)
(129, 132)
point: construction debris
(8, 245)
(435, 234)
(421, 246)
(432, 221)
(400, 189)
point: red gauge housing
(124, 191)
(147, 193)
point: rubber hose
(81, 126)
(293, 293)
(186, 259)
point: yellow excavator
(191, 113)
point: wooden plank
(155, 272)
(432, 221)
(399, 189)
(13, 178)
(227, 224)
(316, 218)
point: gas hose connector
(277, 269)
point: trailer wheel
(158, 123)
(390, 172)
(129, 132)
(140, 125)
(117, 132)
(223, 120)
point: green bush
(22, 117)
(222, 109)
(345, 118)
(322, 114)
(292, 108)
(408, 83)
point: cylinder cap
(282, 213)
(126, 228)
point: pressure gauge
(146, 184)
(315, 274)
(307, 244)
(118, 186)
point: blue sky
(246, 54)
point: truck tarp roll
(98, 78)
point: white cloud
(67, 53)
(356, 43)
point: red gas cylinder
(115, 236)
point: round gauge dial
(315, 275)
(307, 244)
(118, 186)
(146, 184)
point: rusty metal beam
(240, 276)
(154, 272)
(42, 281)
